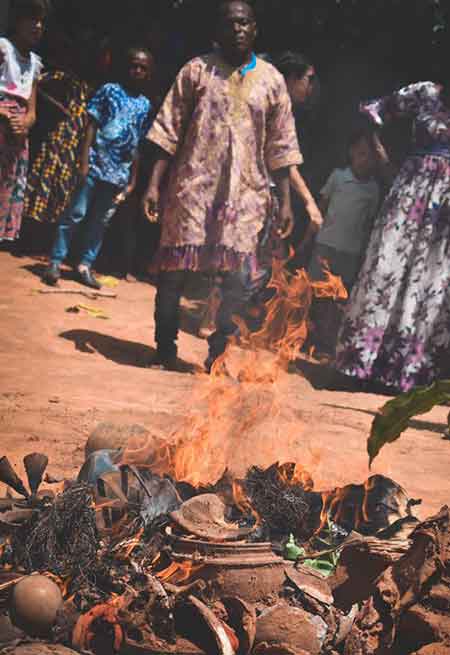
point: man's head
(236, 30)
(299, 74)
(139, 66)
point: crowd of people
(216, 164)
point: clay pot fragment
(242, 618)
(433, 649)
(35, 465)
(199, 624)
(311, 583)
(204, 516)
(283, 624)
(41, 649)
(276, 649)
(9, 477)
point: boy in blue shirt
(119, 120)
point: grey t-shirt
(352, 206)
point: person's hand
(4, 113)
(286, 220)
(150, 204)
(380, 150)
(315, 216)
(18, 125)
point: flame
(239, 414)
(295, 474)
(242, 501)
(178, 572)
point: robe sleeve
(409, 101)
(281, 149)
(170, 125)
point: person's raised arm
(301, 189)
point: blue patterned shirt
(122, 121)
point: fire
(239, 414)
(243, 503)
(178, 572)
(293, 474)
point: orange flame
(243, 393)
(178, 572)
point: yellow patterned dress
(53, 175)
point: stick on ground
(81, 292)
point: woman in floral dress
(396, 329)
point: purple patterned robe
(226, 132)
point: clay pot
(251, 571)
(34, 605)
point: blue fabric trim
(249, 67)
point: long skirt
(13, 173)
(396, 327)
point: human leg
(236, 289)
(167, 313)
(75, 214)
(101, 211)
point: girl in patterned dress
(19, 71)
(396, 329)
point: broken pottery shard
(161, 497)
(110, 436)
(97, 464)
(35, 465)
(208, 631)
(40, 649)
(242, 618)
(399, 612)
(276, 649)
(433, 649)
(204, 516)
(361, 561)
(291, 626)
(311, 583)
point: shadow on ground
(119, 351)
(415, 424)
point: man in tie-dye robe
(225, 128)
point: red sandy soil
(63, 373)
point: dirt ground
(63, 373)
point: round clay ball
(34, 605)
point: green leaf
(395, 415)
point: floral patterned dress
(396, 328)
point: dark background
(360, 48)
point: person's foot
(88, 279)
(164, 362)
(52, 275)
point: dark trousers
(236, 291)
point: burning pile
(194, 545)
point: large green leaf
(394, 416)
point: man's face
(139, 67)
(237, 28)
